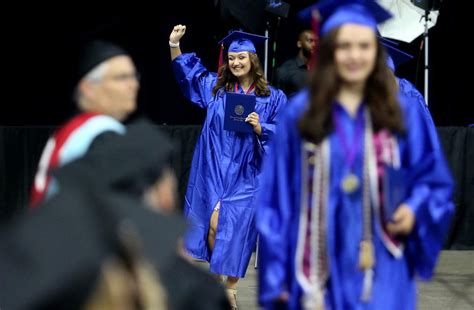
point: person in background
(408, 89)
(396, 57)
(293, 74)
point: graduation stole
(386, 153)
(312, 261)
(50, 158)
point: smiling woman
(220, 199)
(239, 64)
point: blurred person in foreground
(105, 95)
(109, 238)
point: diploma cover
(237, 108)
(394, 190)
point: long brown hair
(227, 80)
(380, 94)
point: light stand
(425, 38)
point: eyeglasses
(124, 77)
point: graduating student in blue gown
(329, 238)
(220, 199)
(394, 59)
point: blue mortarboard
(239, 41)
(395, 56)
(335, 13)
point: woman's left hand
(402, 222)
(253, 120)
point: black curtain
(43, 42)
(458, 144)
(20, 150)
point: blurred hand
(161, 196)
(280, 303)
(253, 119)
(177, 33)
(403, 221)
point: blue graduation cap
(386, 41)
(395, 56)
(239, 41)
(335, 13)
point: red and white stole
(50, 158)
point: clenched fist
(177, 33)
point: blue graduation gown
(278, 210)
(225, 169)
(411, 93)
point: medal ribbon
(251, 88)
(350, 150)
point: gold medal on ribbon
(350, 183)
(366, 255)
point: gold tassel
(366, 255)
(313, 301)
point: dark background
(42, 43)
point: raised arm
(176, 34)
(195, 81)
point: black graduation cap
(96, 52)
(51, 258)
(335, 13)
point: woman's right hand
(280, 302)
(283, 297)
(177, 33)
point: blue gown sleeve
(273, 213)
(195, 81)
(278, 102)
(410, 91)
(431, 192)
